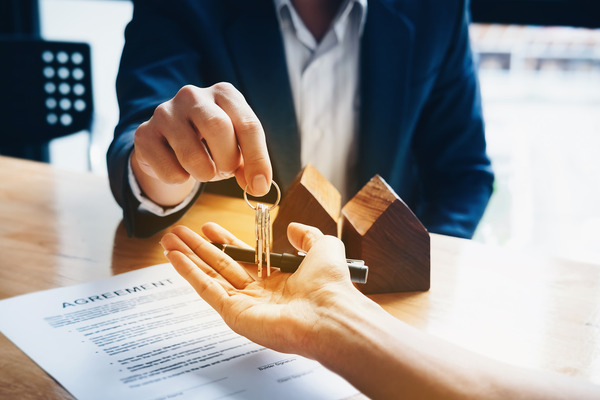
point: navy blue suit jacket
(420, 123)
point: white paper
(146, 334)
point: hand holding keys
(262, 230)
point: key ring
(270, 208)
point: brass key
(262, 231)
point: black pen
(289, 262)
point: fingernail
(259, 185)
(166, 253)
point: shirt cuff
(148, 205)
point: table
(59, 228)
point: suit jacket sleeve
(455, 173)
(156, 62)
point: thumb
(326, 254)
(303, 237)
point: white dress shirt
(324, 79)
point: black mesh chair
(45, 93)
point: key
(263, 238)
(262, 232)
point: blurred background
(539, 66)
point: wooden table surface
(59, 228)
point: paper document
(146, 334)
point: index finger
(216, 233)
(205, 254)
(256, 171)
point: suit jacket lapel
(387, 49)
(258, 53)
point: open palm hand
(280, 311)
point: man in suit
(219, 88)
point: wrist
(360, 341)
(162, 193)
(343, 322)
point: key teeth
(262, 231)
(267, 239)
